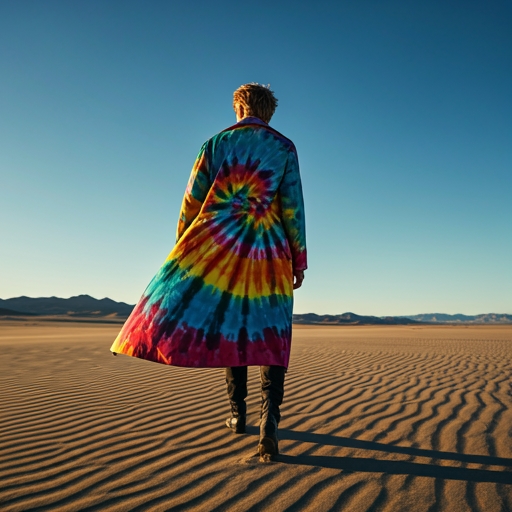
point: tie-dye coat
(224, 295)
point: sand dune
(374, 419)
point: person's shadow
(373, 465)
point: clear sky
(401, 113)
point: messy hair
(257, 100)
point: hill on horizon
(89, 307)
(440, 318)
(350, 319)
(80, 305)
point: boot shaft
(236, 382)
(272, 390)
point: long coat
(224, 295)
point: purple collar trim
(252, 120)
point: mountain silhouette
(86, 306)
(439, 318)
(350, 319)
(81, 305)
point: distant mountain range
(431, 318)
(80, 306)
(85, 306)
(350, 319)
(440, 318)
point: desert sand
(374, 419)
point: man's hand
(298, 278)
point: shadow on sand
(373, 465)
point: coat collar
(252, 120)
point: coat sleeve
(195, 194)
(292, 210)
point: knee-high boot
(272, 392)
(236, 381)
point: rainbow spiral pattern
(224, 296)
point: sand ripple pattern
(374, 419)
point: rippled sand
(375, 419)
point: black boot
(272, 392)
(236, 380)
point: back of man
(266, 176)
(224, 296)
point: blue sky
(401, 113)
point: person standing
(224, 295)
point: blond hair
(257, 100)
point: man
(255, 101)
(224, 296)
